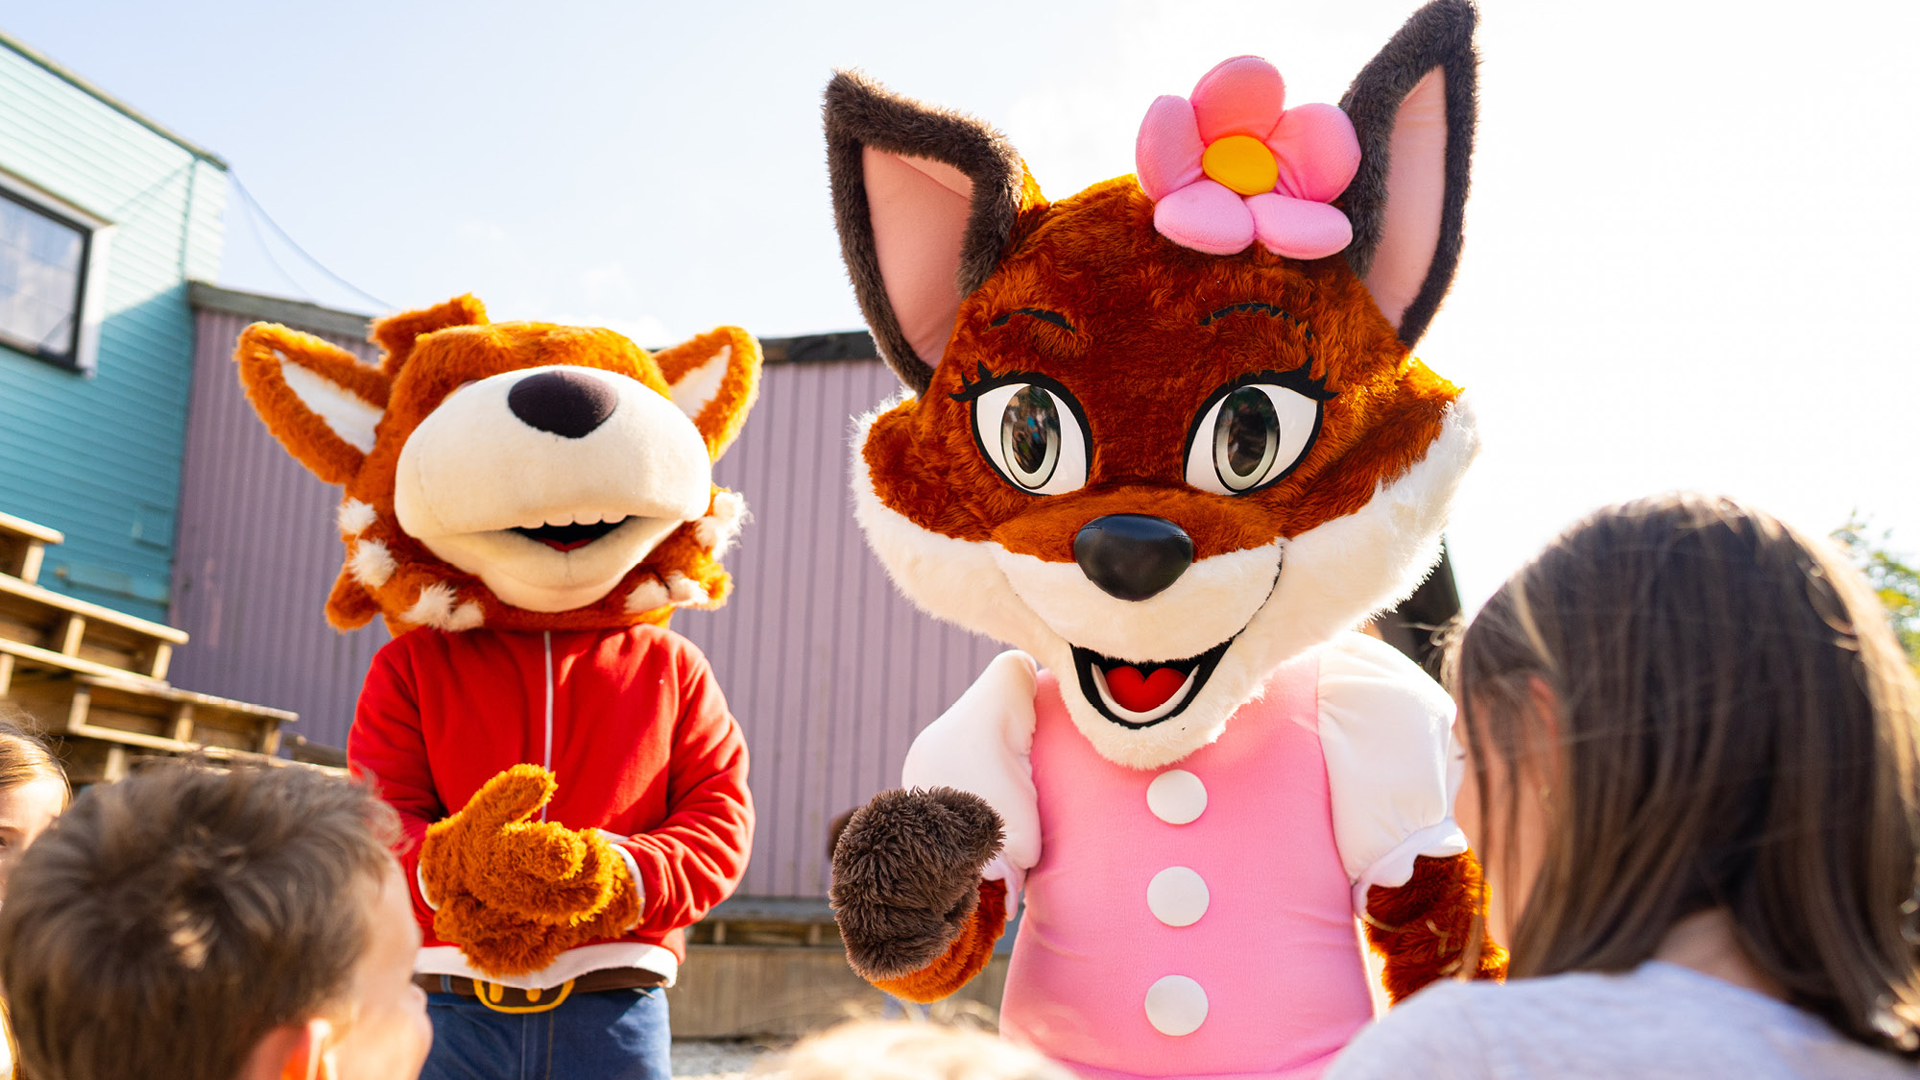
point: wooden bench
(102, 719)
(55, 622)
(22, 545)
(20, 659)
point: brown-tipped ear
(397, 333)
(924, 200)
(1413, 107)
(318, 399)
(714, 379)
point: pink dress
(1220, 946)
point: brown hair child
(186, 924)
(1697, 751)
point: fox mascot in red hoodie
(1167, 437)
(526, 504)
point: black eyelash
(1298, 380)
(1038, 313)
(1261, 307)
(987, 380)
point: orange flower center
(1242, 163)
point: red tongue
(568, 545)
(1143, 693)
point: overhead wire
(254, 207)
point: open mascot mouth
(1138, 695)
(571, 537)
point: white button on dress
(1177, 896)
(1177, 797)
(1176, 1006)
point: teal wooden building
(104, 217)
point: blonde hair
(873, 1050)
(1735, 726)
(24, 755)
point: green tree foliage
(1895, 577)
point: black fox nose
(1132, 556)
(567, 403)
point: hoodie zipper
(546, 759)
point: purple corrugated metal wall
(829, 671)
(256, 554)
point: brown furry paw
(1425, 928)
(906, 877)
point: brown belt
(512, 999)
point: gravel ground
(719, 1059)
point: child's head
(902, 1051)
(33, 789)
(1681, 705)
(185, 923)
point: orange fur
(515, 893)
(430, 353)
(1141, 365)
(1424, 928)
(965, 958)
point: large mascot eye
(1032, 437)
(1250, 438)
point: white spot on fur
(718, 530)
(370, 563)
(696, 389)
(467, 616)
(435, 608)
(684, 590)
(355, 517)
(348, 417)
(649, 595)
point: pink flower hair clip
(1233, 165)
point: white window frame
(86, 351)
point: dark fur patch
(906, 876)
(861, 113)
(1439, 35)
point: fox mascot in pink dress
(1167, 438)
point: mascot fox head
(1157, 455)
(513, 475)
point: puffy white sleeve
(984, 745)
(1393, 765)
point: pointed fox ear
(1413, 109)
(397, 333)
(924, 200)
(318, 399)
(714, 379)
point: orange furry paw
(965, 958)
(515, 893)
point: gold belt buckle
(492, 994)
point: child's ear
(318, 399)
(1413, 109)
(714, 379)
(924, 200)
(291, 1052)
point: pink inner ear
(918, 209)
(1416, 192)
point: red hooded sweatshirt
(635, 731)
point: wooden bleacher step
(22, 545)
(65, 633)
(96, 679)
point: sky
(1692, 248)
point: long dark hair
(1735, 726)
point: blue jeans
(610, 1035)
